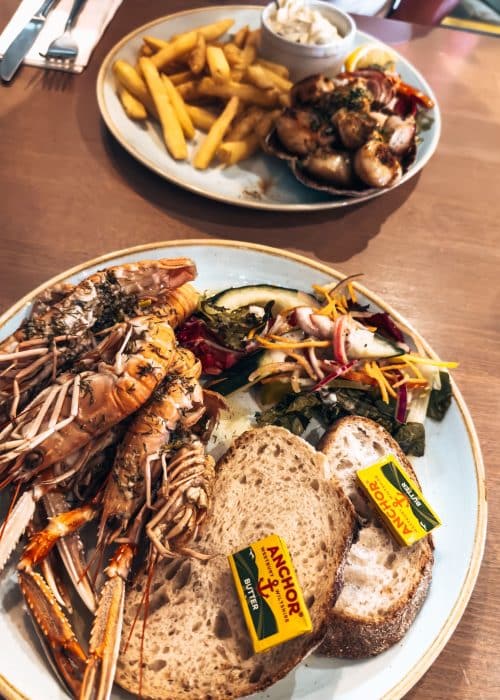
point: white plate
(260, 182)
(452, 477)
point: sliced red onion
(339, 340)
(337, 288)
(315, 364)
(341, 369)
(401, 404)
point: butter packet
(269, 593)
(398, 500)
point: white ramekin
(307, 59)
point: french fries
(231, 152)
(214, 31)
(198, 56)
(133, 107)
(274, 67)
(172, 130)
(246, 144)
(180, 46)
(201, 79)
(240, 36)
(201, 118)
(179, 107)
(247, 93)
(266, 79)
(180, 77)
(233, 54)
(189, 91)
(130, 79)
(214, 137)
(218, 65)
(245, 123)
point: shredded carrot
(373, 370)
(278, 344)
(371, 373)
(414, 368)
(329, 310)
(301, 360)
(385, 380)
(352, 292)
(418, 359)
(342, 304)
(356, 375)
(323, 291)
(389, 368)
(417, 382)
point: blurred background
(467, 15)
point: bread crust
(370, 631)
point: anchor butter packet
(398, 500)
(269, 593)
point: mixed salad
(318, 356)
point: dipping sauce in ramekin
(308, 38)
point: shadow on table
(52, 80)
(330, 234)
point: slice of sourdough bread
(385, 584)
(196, 643)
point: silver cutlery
(64, 49)
(23, 42)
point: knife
(23, 42)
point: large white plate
(260, 182)
(452, 476)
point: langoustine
(64, 321)
(159, 447)
(135, 367)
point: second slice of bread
(196, 644)
(385, 583)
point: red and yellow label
(398, 500)
(269, 593)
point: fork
(64, 48)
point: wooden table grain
(431, 248)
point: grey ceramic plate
(261, 182)
(452, 477)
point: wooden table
(431, 248)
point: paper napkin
(90, 25)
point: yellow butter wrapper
(269, 593)
(398, 500)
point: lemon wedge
(370, 55)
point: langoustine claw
(55, 632)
